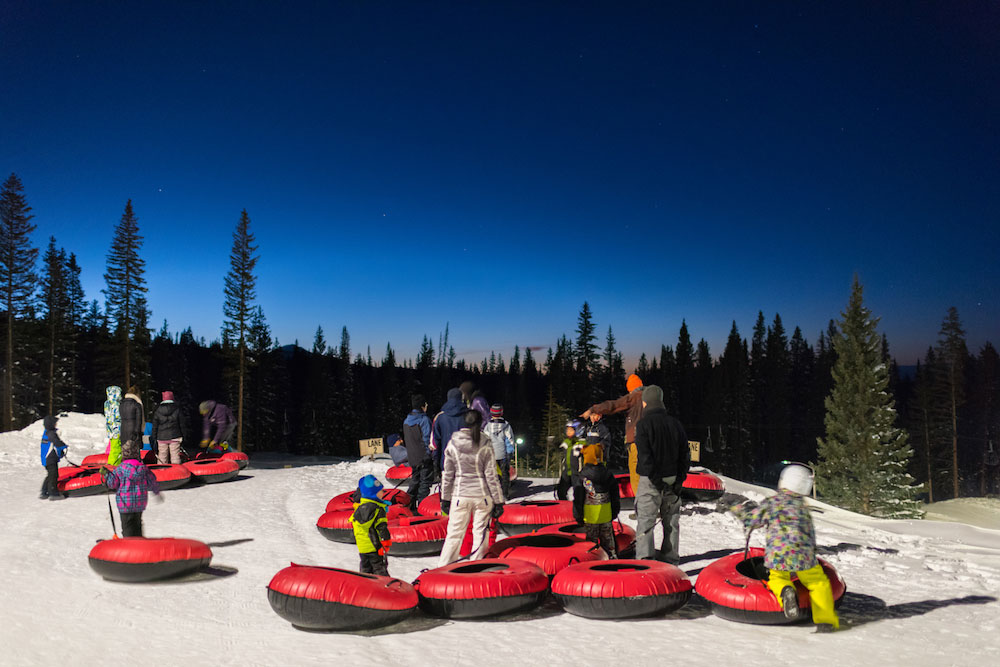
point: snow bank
(919, 593)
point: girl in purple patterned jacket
(133, 480)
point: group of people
(124, 471)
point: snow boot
(823, 628)
(56, 496)
(790, 603)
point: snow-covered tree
(864, 457)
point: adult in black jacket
(662, 465)
(168, 430)
(417, 436)
(133, 417)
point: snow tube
(328, 598)
(513, 473)
(735, 587)
(550, 552)
(135, 559)
(430, 506)
(621, 588)
(530, 515)
(702, 484)
(211, 471)
(625, 489)
(170, 476)
(94, 459)
(82, 481)
(336, 526)
(400, 472)
(342, 501)
(417, 536)
(481, 588)
(242, 460)
(624, 535)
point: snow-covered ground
(919, 592)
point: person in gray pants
(663, 462)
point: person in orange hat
(632, 403)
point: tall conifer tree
(17, 275)
(952, 355)
(864, 456)
(125, 282)
(241, 290)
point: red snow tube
(94, 459)
(336, 526)
(417, 536)
(430, 506)
(211, 471)
(513, 473)
(327, 598)
(625, 489)
(621, 588)
(624, 535)
(242, 460)
(737, 590)
(487, 587)
(530, 515)
(81, 481)
(343, 501)
(701, 484)
(134, 559)
(399, 472)
(469, 540)
(170, 476)
(550, 552)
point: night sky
(493, 165)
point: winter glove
(497, 511)
(384, 549)
(445, 507)
(203, 444)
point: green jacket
(370, 525)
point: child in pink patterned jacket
(133, 481)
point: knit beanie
(632, 383)
(496, 410)
(652, 396)
(168, 396)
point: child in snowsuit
(596, 502)
(791, 547)
(133, 481)
(371, 529)
(573, 444)
(113, 424)
(53, 449)
(501, 436)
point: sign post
(370, 447)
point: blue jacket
(51, 440)
(449, 420)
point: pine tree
(864, 456)
(319, 342)
(17, 275)
(684, 353)
(952, 355)
(586, 349)
(125, 282)
(240, 293)
(345, 346)
(55, 301)
(734, 369)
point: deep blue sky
(493, 165)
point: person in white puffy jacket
(470, 488)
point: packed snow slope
(919, 592)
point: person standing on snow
(113, 424)
(446, 423)
(790, 547)
(52, 450)
(133, 418)
(417, 436)
(218, 418)
(502, 438)
(475, 400)
(631, 404)
(663, 459)
(133, 482)
(573, 461)
(371, 530)
(470, 482)
(168, 430)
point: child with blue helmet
(371, 528)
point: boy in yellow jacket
(371, 528)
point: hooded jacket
(470, 471)
(501, 436)
(51, 442)
(417, 436)
(134, 481)
(168, 422)
(219, 416)
(447, 422)
(112, 415)
(790, 538)
(133, 419)
(661, 446)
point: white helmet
(797, 478)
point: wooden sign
(370, 447)
(695, 449)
